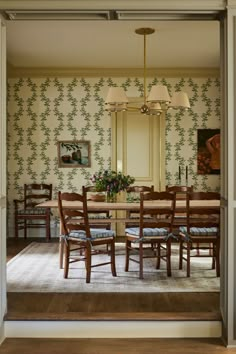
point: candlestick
(186, 175)
(179, 174)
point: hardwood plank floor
(114, 346)
(112, 306)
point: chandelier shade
(159, 93)
(180, 100)
(116, 95)
(156, 102)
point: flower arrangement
(110, 181)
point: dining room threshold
(151, 306)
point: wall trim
(13, 72)
(113, 329)
(200, 5)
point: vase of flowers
(112, 182)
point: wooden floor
(114, 346)
(112, 306)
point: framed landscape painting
(208, 153)
(73, 153)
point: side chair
(202, 231)
(96, 214)
(180, 193)
(79, 239)
(153, 233)
(27, 215)
(133, 214)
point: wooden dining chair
(27, 215)
(97, 214)
(202, 231)
(152, 233)
(79, 239)
(180, 193)
(133, 193)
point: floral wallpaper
(46, 110)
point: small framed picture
(74, 153)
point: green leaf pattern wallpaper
(42, 111)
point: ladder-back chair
(79, 238)
(27, 215)
(202, 231)
(154, 231)
(133, 193)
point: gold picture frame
(74, 153)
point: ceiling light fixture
(156, 102)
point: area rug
(36, 269)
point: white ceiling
(112, 44)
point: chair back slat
(179, 189)
(139, 189)
(73, 219)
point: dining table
(126, 206)
(95, 206)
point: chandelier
(157, 101)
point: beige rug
(36, 269)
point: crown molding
(200, 5)
(13, 72)
(231, 4)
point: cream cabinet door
(138, 147)
(138, 150)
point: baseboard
(113, 329)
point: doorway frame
(228, 55)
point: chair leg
(188, 259)
(168, 258)
(88, 255)
(140, 260)
(112, 254)
(213, 266)
(181, 254)
(66, 258)
(48, 229)
(127, 251)
(61, 252)
(158, 255)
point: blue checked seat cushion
(147, 232)
(199, 231)
(32, 211)
(95, 234)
